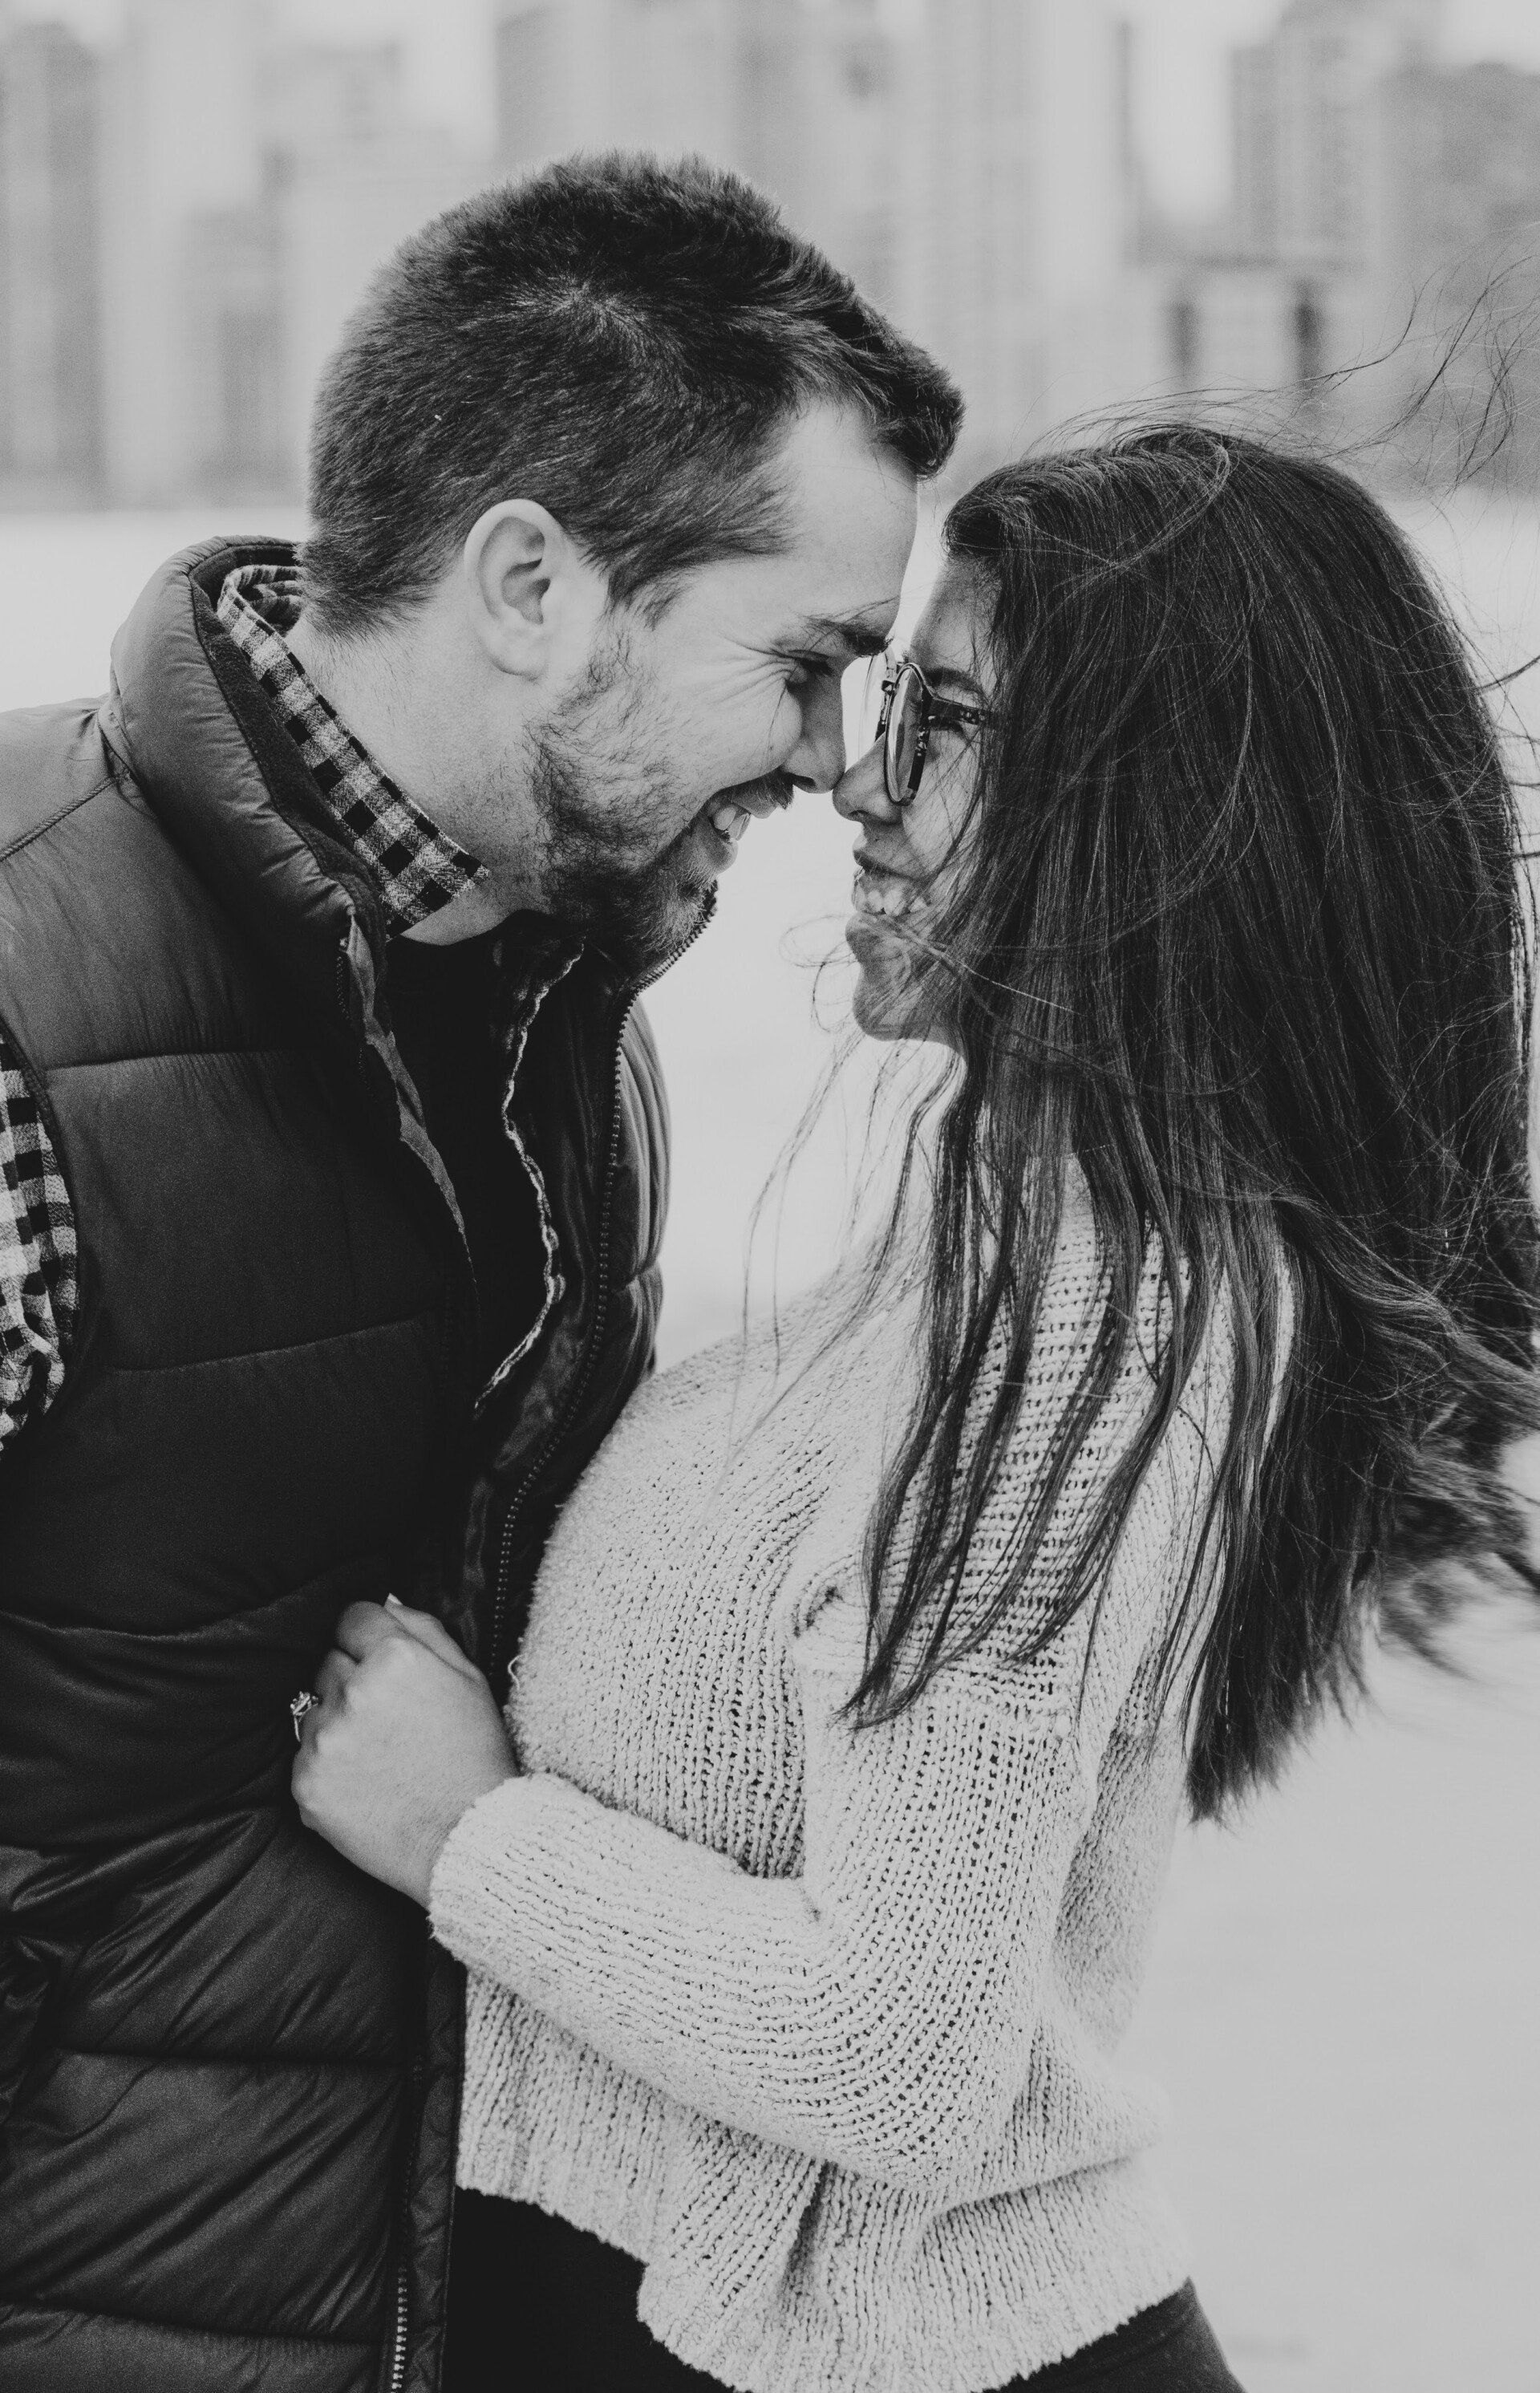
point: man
(334, 1162)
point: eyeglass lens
(905, 721)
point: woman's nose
(862, 793)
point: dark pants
(537, 2307)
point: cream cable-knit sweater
(819, 2023)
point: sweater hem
(949, 2354)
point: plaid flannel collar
(416, 866)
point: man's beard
(637, 912)
(595, 874)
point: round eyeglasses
(911, 711)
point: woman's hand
(405, 1738)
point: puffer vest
(228, 2062)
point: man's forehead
(849, 501)
(829, 581)
(843, 591)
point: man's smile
(720, 825)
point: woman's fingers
(330, 1683)
(334, 1675)
(365, 1627)
(431, 1633)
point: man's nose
(818, 758)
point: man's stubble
(601, 802)
(636, 910)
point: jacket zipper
(399, 2327)
(398, 2359)
(580, 1386)
(601, 1306)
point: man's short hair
(621, 340)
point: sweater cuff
(469, 1905)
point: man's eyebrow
(861, 635)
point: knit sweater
(818, 2022)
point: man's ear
(534, 597)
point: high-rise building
(50, 364)
(1465, 183)
(967, 280)
(1462, 209)
(349, 175)
(1016, 236)
(1310, 130)
(1309, 296)
(798, 96)
(182, 176)
(232, 322)
(628, 74)
(966, 160)
(820, 101)
(251, 189)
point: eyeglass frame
(947, 713)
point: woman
(867, 1673)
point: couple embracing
(730, 1806)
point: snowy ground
(1345, 1990)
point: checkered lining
(39, 1285)
(417, 866)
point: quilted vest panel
(228, 2064)
(211, 2028)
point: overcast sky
(1183, 45)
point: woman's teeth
(885, 895)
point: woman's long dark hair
(1240, 926)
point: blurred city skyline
(1181, 99)
(194, 192)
